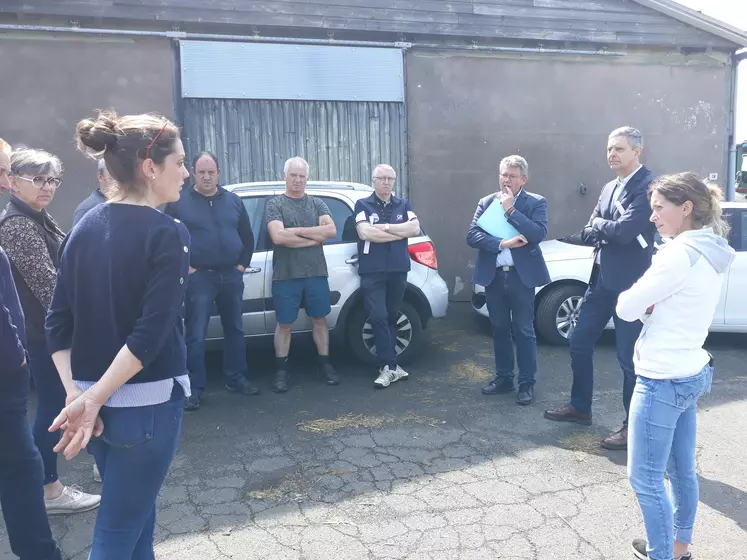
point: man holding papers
(507, 229)
(623, 237)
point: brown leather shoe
(567, 413)
(617, 441)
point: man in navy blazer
(510, 270)
(623, 237)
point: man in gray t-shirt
(298, 225)
(289, 263)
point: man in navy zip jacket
(623, 239)
(21, 469)
(510, 270)
(222, 248)
(384, 223)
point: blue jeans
(22, 475)
(50, 395)
(133, 455)
(661, 437)
(382, 298)
(596, 310)
(511, 309)
(225, 288)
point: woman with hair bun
(115, 327)
(676, 299)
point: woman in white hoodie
(676, 299)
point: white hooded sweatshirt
(684, 287)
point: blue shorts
(289, 295)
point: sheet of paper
(494, 222)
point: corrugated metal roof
(698, 20)
(634, 22)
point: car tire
(358, 332)
(556, 304)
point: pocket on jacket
(128, 427)
(534, 251)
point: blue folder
(494, 222)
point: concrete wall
(49, 83)
(467, 112)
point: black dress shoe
(243, 386)
(192, 403)
(330, 375)
(499, 385)
(526, 394)
(280, 385)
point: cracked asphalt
(428, 469)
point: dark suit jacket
(622, 260)
(530, 218)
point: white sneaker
(96, 473)
(386, 376)
(72, 500)
(400, 373)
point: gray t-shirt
(304, 262)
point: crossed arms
(375, 233)
(299, 237)
(624, 229)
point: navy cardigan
(121, 280)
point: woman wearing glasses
(115, 327)
(31, 238)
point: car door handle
(352, 260)
(252, 270)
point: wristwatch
(386, 227)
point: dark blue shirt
(93, 200)
(383, 257)
(121, 280)
(12, 330)
(218, 226)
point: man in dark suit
(623, 237)
(510, 270)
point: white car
(426, 295)
(557, 304)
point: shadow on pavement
(730, 501)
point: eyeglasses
(510, 177)
(386, 179)
(40, 181)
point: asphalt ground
(428, 468)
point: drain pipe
(184, 36)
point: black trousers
(22, 474)
(382, 297)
